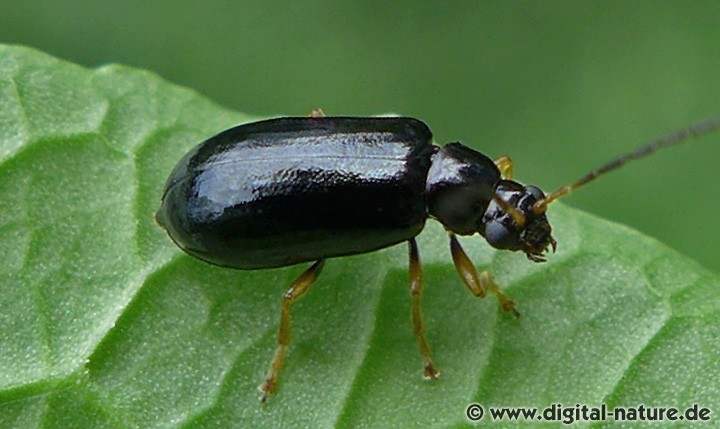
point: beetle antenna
(699, 129)
(514, 213)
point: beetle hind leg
(316, 113)
(430, 371)
(480, 284)
(298, 288)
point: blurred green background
(560, 86)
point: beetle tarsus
(507, 304)
(478, 284)
(267, 389)
(430, 372)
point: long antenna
(699, 129)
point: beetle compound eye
(499, 236)
(536, 192)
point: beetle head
(510, 222)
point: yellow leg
(299, 287)
(316, 113)
(416, 287)
(505, 165)
(478, 284)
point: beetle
(290, 190)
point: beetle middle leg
(505, 165)
(478, 284)
(298, 288)
(416, 287)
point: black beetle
(304, 189)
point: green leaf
(104, 323)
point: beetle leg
(416, 287)
(316, 113)
(298, 288)
(505, 165)
(478, 284)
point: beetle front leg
(478, 284)
(298, 288)
(416, 287)
(505, 165)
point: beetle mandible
(289, 190)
